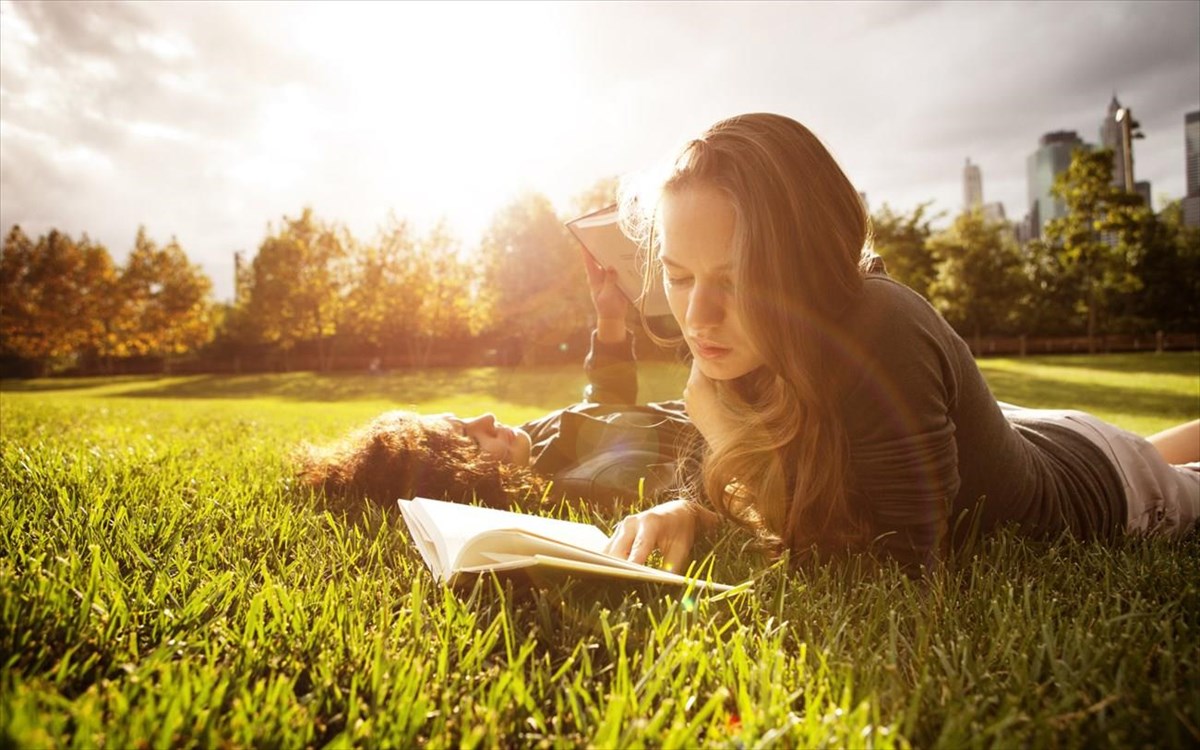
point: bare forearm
(610, 330)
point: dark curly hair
(401, 454)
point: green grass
(162, 583)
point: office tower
(1142, 188)
(1191, 137)
(972, 186)
(994, 212)
(1111, 137)
(1052, 157)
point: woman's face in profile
(496, 440)
(697, 258)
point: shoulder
(894, 344)
(888, 315)
(885, 294)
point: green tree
(535, 283)
(385, 289)
(601, 194)
(1099, 240)
(410, 293)
(902, 241)
(52, 295)
(296, 285)
(168, 307)
(979, 282)
(1048, 307)
(447, 311)
(1169, 272)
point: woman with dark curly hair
(606, 450)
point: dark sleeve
(904, 457)
(611, 372)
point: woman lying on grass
(606, 450)
(840, 410)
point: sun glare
(453, 107)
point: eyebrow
(726, 268)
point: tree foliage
(386, 283)
(980, 282)
(52, 293)
(296, 285)
(601, 194)
(1169, 271)
(1098, 242)
(534, 279)
(902, 240)
(165, 301)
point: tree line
(1109, 266)
(314, 295)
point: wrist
(610, 330)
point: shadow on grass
(1041, 393)
(1169, 363)
(523, 386)
(51, 385)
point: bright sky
(208, 120)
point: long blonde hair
(800, 250)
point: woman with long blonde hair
(840, 410)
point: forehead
(697, 227)
(445, 421)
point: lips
(708, 349)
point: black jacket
(607, 449)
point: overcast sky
(207, 121)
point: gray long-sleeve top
(930, 446)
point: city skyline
(209, 121)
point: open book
(456, 539)
(601, 235)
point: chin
(526, 451)
(721, 369)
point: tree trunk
(1091, 314)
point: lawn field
(163, 583)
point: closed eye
(460, 429)
(676, 279)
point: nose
(706, 306)
(486, 423)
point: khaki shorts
(1161, 499)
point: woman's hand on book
(608, 300)
(669, 528)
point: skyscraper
(1111, 137)
(1191, 137)
(1052, 157)
(972, 186)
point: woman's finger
(621, 542)
(675, 556)
(595, 271)
(642, 546)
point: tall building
(972, 186)
(1191, 136)
(1111, 137)
(1142, 188)
(1052, 157)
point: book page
(455, 525)
(600, 233)
(561, 565)
(645, 574)
(504, 545)
(425, 538)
